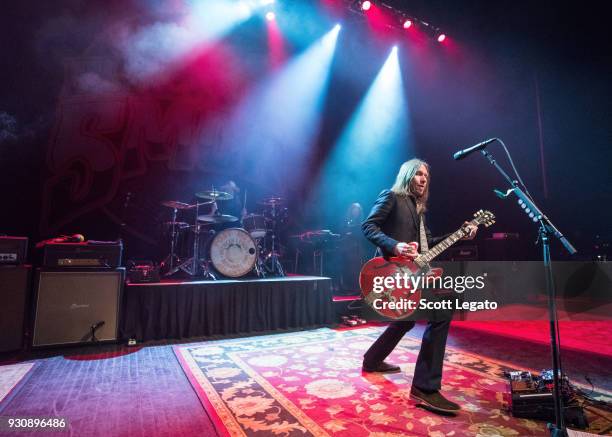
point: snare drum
(255, 224)
(233, 252)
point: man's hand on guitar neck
(407, 249)
(472, 229)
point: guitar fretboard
(423, 259)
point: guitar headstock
(486, 218)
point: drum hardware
(192, 265)
(276, 214)
(260, 267)
(275, 265)
(179, 225)
(172, 258)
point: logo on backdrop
(105, 136)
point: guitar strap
(422, 235)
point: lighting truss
(399, 23)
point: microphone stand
(546, 229)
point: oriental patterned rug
(310, 384)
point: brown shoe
(382, 368)
(434, 401)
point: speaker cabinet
(14, 291)
(71, 305)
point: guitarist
(396, 226)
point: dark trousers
(428, 370)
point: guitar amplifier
(77, 306)
(13, 250)
(14, 299)
(86, 254)
(463, 253)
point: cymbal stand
(193, 265)
(260, 268)
(172, 256)
(276, 267)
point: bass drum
(233, 252)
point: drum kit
(217, 249)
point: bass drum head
(233, 252)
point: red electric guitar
(373, 287)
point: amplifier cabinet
(73, 304)
(13, 250)
(14, 296)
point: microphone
(465, 152)
(98, 325)
(94, 328)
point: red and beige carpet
(310, 383)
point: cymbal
(176, 204)
(214, 195)
(217, 218)
(272, 201)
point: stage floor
(115, 390)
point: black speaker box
(14, 291)
(75, 306)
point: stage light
(244, 10)
(332, 35)
(267, 2)
(441, 37)
(366, 5)
(407, 24)
(270, 16)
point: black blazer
(394, 219)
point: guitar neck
(423, 259)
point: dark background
(508, 68)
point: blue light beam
(373, 144)
(280, 120)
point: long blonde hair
(403, 185)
